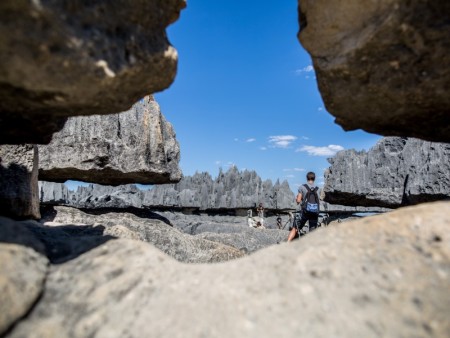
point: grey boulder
(382, 66)
(66, 58)
(396, 171)
(136, 146)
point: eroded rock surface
(22, 272)
(390, 272)
(19, 195)
(382, 66)
(79, 58)
(230, 190)
(396, 171)
(98, 227)
(136, 146)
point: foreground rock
(382, 66)
(136, 146)
(19, 195)
(390, 272)
(69, 231)
(396, 171)
(22, 272)
(78, 58)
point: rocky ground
(126, 287)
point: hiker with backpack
(308, 199)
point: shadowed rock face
(66, 58)
(390, 272)
(19, 195)
(382, 66)
(136, 146)
(396, 171)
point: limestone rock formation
(97, 227)
(79, 58)
(382, 66)
(380, 276)
(230, 190)
(19, 196)
(136, 146)
(396, 171)
(22, 272)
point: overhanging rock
(396, 171)
(66, 58)
(382, 66)
(136, 146)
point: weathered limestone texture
(230, 190)
(19, 195)
(382, 66)
(66, 58)
(22, 272)
(136, 146)
(396, 171)
(382, 276)
(96, 227)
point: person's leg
(292, 234)
(302, 222)
(313, 220)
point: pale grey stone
(381, 276)
(396, 171)
(136, 146)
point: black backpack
(311, 202)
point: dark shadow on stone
(48, 213)
(66, 242)
(59, 243)
(16, 194)
(405, 199)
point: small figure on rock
(308, 200)
(279, 222)
(260, 211)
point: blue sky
(246, 93)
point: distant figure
(260, 211)
(279, 222)
(309, 202)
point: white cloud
(329, 150)
(218, 162)
(295, 169)
(305, 138)
(306, 69)
(290, 176)
(251, 140)
(282, 141)
(262, 148)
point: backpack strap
(309, 192)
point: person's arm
(299, 198)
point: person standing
(308, 199)
(260, 211)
